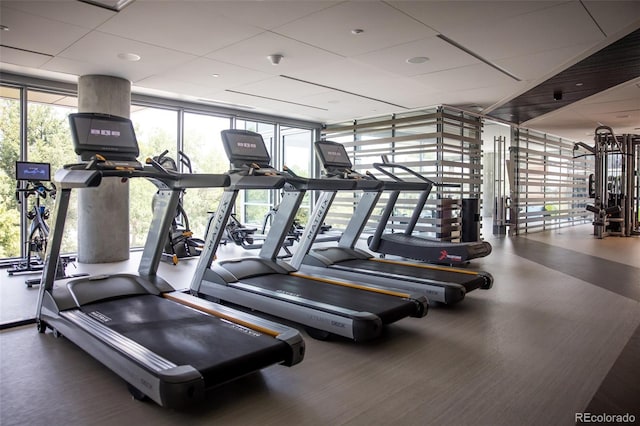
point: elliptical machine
(29, 182)
(181, 243)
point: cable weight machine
(614, 186)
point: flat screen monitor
(34, 172)
(333, 155)
(108, 135)
(244, 146)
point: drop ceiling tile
(253, 53)
(563, 25)
(174, 87)
(264, 14)
(543, 64)
(444, 16)
(344, 105)
(273, 107)
(613, 16)
(330, 29)
(571, 125)
(408, 93)
(280, 88)
(441, 56)
(366, 81)
(36, 34)
(79, 68)
(23, 58)
(463, 78)
(177, 25)
(202, 71)
(38, 73)
(72, 12)
(629, 91)
(613, 109)
(101, 51)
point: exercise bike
(29, 182)
(181, 243)
(249, 239)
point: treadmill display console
(333, 155)
(108, 135)
(245, 147)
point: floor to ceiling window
(10, 148)
(47, 140)
(34, 127)
(156, 131)
(203, 146)
(297, 155)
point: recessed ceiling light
(418, 60)
(4, 28)
(357, 31)
(215, 75)
(131, 57)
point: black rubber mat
(619, 392)
(594, 270)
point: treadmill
(406, 244)
(325, 306)
(439, 283)
(168, 346)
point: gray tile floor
(551, 339)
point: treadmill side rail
(161, 380)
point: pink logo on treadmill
(444, 255)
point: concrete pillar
(103, 212)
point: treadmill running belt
(388, 308)
(217, 348)
(470, 281)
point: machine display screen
(245, 146)
(30, 171)
(101, 133)
(333, 155)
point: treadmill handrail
(381, 167)
(240, 180)
(77, 176)
(398, 183)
